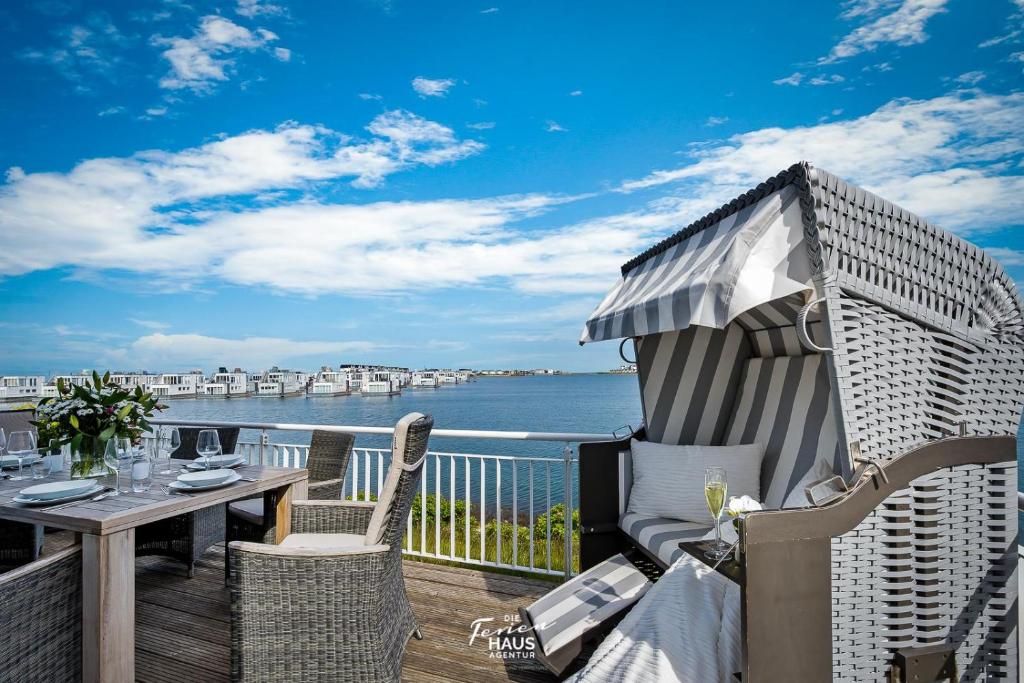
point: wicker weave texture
(41, 621)
(933, 564)
(341, 618)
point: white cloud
(899, 22)
(970, 78)
(370, 96)
(826, 80)
(254, 8)
(490, 10)
(91, 48)
(283, 54)
(793, 79)
(150, 324)
(555, 127)
(481, 125)
(716, 120)
(199, 62)
(156, 111)
(196, 350)
(432, 87)
(1008, 257)
(954, 159)
(110, 111)
(576, 93)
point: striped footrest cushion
(582, 609)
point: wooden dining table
(107, 529)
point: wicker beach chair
(41, 619)
(20, 543)
(329, 602)
(186, 537)
(880, 362)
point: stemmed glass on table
(208, 445)
(167, 442)
(716, 485)
(119, 455)
(21, 445)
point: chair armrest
(331, 516)
(297, 553)
(328, 489)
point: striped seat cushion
(661, 536)
(784, 403)
(566, 617)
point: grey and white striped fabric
(754, 255)
(688, 383)
(660, 536)
(785, 404)
(567, 613)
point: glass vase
(87, 460)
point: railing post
(263, 446)
(567, 526)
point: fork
(106, 493)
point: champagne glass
(119, 455)
(3, 445)
(716, 486)
(22, 445)
(208, 445)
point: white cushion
(323, 541)
(668, 481)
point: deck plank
(176, 615)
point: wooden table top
(728, 568)
(127, 510)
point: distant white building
(225, 384)
(330, 382)
(281, 383)
(16, 388)
(50, 389)
(424, 379)
(130, 380)
(381, 383)
(178, 385)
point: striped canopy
(743, 260)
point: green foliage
(557, 514)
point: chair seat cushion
(250, 510)
(571, 614)
(323, 541)
(660, 536)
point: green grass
(510, 532)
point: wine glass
(208, 445)
(167, 442)
(22, 445)
(119, 455)
(715, 487)
(3, 443)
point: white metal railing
(473, 508)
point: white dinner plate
(178, 486)
(218, 462)
(36, 502)
(57, 489)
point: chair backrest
(42, 622)
(329, 453)
(17, 420)
(785, 403)
(408, 453)
(190, 436)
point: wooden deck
(178, 617)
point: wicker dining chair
(20, 543)
(186, 537)
(329, 602)
(329, 452)
(41, 620)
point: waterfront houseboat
(424, 379)
(447, 377)
(281, 383)
(224, 384)
(330, 382)
(130, 380)
(381, 383)
(21, 388)
(49, 390)
(177, 385)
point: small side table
(729, 568)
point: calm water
(568, 403)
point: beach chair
(879, 361)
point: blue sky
(270, 181)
